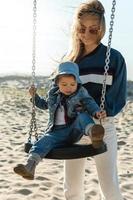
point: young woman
(89, 53)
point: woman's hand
(101, 114)
(32, 90)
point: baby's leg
(39, 151)
(78, 127)
(84, 124)
(50, 140)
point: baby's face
(67, 85)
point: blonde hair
(90, 8)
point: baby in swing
(71, 113)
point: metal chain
(34, 41)
(107, 60)
(33, 126)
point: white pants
(106, 168)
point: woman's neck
(89, 49)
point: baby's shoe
(26, 171)
(97, 134)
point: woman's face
(88, 30)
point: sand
(15, 115)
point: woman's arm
(117, 93)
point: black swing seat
(74, 151)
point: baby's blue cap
(68, 68)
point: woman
(89, 53)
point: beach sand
(15, 115)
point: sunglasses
(92, 30)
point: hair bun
(97, 11)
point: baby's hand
(32, 90)
(101, 114)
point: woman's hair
(91, 8)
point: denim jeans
(61, 135)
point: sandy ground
(15, 114)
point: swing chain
(34, 41)
(107, 60)
(33, 125)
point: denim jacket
(81, 98)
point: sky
(54, 18)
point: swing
(74, 151)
